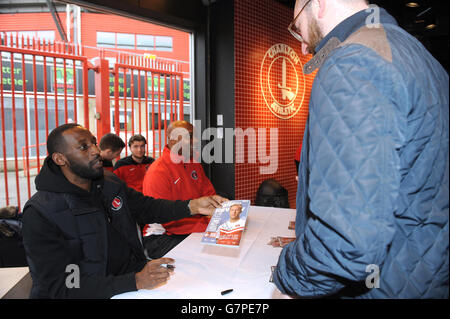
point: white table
(9, 277)
(203, 271)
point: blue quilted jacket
(373, 194)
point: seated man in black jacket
(82, 222)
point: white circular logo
(282, 86)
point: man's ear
(322, 8)
(106, 153)
(59, 159)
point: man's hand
(206, 205)
(153, 275)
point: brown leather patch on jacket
(374, 38)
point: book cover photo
(227, 224)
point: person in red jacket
(111, 146)
(132, 169)
(175, 177)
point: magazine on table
(227, 224)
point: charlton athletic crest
(282, 81)
(116, 203)
(194, 175)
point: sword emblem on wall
(286, 92)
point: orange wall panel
(259, 26)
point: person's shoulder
(374, 38)
(156, 175)
(148, 160)
(111, 177)
(42, 198)
(112, 184)
(157, 166)
(107, 164)
(123, 162)
(42, 205)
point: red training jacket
(168, 180)
(131, 172)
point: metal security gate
(148, 96)
(43, 85)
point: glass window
(25, 34)
(47, 35)
(163, 43)
(125, 41)
(145, 42)
(106, 39)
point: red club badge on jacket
(117, 203)
(194, 175)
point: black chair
(271, 194)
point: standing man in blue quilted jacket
(373, 195)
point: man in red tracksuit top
(132, 169)
(174, 177)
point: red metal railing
(42, 73)
(168, 101)
(26, 161)
(22, 55)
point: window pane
(25, 34)
(145, 42)
(106, 39)
(47, 35)
(163, 43)
(125, 41)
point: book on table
(227, 224)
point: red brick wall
(259, 25)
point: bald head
(55, 140)
(180, 138)
(180, 125)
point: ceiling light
(431, 26)
(412, 4)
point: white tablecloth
(9, 277)
(203, 271)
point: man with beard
(131, 169)
(372, 200)
(79, 229)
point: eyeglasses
(293, 29)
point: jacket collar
(51, 179)
(342, 31)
